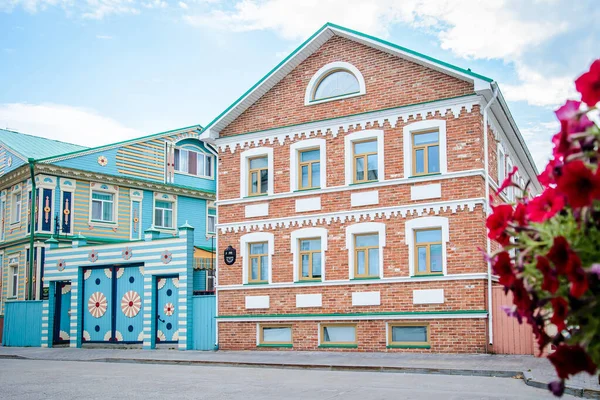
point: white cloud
(538, 89)
(155, 4)
(66, 123)
(183, 5)
(98, 9)
(538, 138)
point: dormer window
(337, 83)
(194, 163)
(334, 81)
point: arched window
(334, 81)
(337, 83)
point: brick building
(352, 185)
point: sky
(92, 72)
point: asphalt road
(29, 379)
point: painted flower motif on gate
(66, 288)
(86, 336)
(87, 274)
(93, 256)
(131, 303)
(160, 336)
(175, 282)
(169, 309)
(127, 253)
(62, 335)
(97, 304)
(161, 282)
(61, 264)
(166, 257)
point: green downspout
(31, 230)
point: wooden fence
(22, 324)
(510, 337)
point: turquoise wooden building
(123, 235)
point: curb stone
(526, 376)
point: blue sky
(96, 71)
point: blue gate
(112, 304)
(167, 298)
(22, 323)
(62, 316)
(204, 324)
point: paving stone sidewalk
(535, 371)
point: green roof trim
(351, 31)
(141, 138)
(365, 314)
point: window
(338, 334)
(428, 245)
(102, 207)
(275, 335)
(193, 163)
(501, 166)
(259, 262)
(310, 259)
(426, 153)
(163, 214)
(366, 257)
(309, 165)
(16, 208)
(210, 280)
(336, 80)
(336, 83)
(365, 161)
(258, 176)
(408, 335)
(424, 145)
(13, 276)
(211, 220)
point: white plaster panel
(366, 298)
(257, 210)
(422, 192)
(364, 198)
(309, 300)
(308, 204)
(428, 296)
(257, 302)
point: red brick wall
(447, 336)
(390, 82)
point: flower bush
(549, 245)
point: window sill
(365, 278)
(333, 98)
(257, 195)
(364, 183)
(309, 281)
(426, 275)
(307, 189)
(255, 283)
(338, 346)
(15, 223)
(192, 175)
(408, 346)
(424, 175)
(286, 346)
(100, 223)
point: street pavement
(35, 379)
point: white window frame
(209, 205)
(256, 237)
(326, 70)
(2, 218)
(501, 164)
(15, 218)
(198, 151)
(167, 198)
(244, 160)
(417, 224)
(360, 136)
(295, 150)
(308, 233)
(359, 229)
(510, 192)
(424, 126)
(110, 189)
(13, 266)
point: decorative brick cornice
(445, 108)
(352, 216)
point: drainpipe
(486, 202)
(31, 229)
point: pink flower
(504, 269)
(508, 181)
(579, 184)
(571, 360)
(569, 114)
(550, 282)
(498, 221)
(588, 85)
(545, 206)
(560, 309)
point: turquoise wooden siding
(199, 280)
(22, 324)
(129, 313)
(64, 319)
(204, 323)
(89, 162)
(167, 308)
(97, 305)
(16, 161)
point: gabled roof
(29, 146)
(86, 150)
(310, 46)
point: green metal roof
(30, 146)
